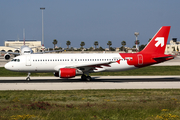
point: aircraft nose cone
(7, 66)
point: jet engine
(7, 56)
(66, 73)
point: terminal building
(15, 45)
(173, 47)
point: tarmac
(98, 82)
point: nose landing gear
(28, 77)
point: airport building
(15, 45)
(173, 47)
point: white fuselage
(53, 62)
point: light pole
(42, 8)
(136, 34)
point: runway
(98, 82)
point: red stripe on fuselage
(139, 60)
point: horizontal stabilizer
(163, 56)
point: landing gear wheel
(83, 77)
(88, 78)
(28, 77)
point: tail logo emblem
(160, 41)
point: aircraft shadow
(94, 79)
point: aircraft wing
(94, 65)
(90, 65)
(14, 53)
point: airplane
(71, 65)
(24, 50)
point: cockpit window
(27, 51)
(15, 60)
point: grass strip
(150, 70)
(147, 104)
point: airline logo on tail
(160, 41)
(157, 44)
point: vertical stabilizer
(158, 43)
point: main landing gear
(28, 77)
(87, 78)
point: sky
(88, 21)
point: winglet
(157, 44)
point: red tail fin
(157, 44)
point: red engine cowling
(66, 73)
